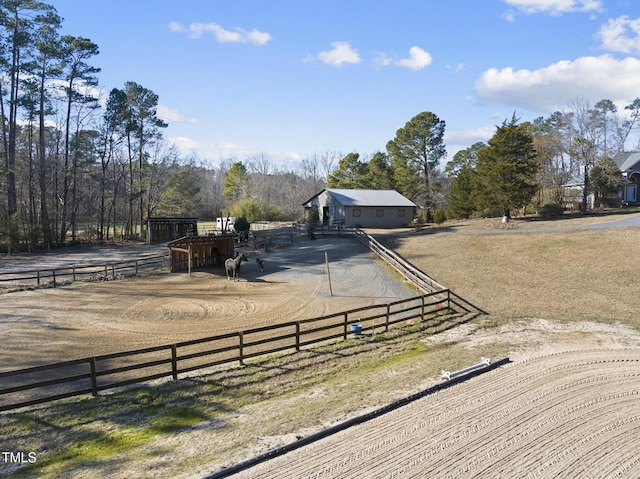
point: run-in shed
(167, 229)
(199, 251)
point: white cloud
(621, 34)
(556, 7)
(341, 53)
(469, 136)
(381, 59)
(553, 87)
(216, 152)
(238, 35)
(171, 115)
(418, 59)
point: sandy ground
(50, 325)
(529, 419)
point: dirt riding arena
(50, 325)
(571, 414)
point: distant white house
(629, 164)
(362, 208)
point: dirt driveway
(50, 325)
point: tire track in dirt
(568, 414)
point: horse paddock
(56, 324)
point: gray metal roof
(369, 197)
(628, 160)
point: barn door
(325, 215)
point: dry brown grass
(572, 275)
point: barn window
(401, 212)
(356, 212)
(379, 213)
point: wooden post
(174, 361)
(326, 260)
(53, 272)
(386, 325)
(422, 313)
(73, 268)
(241, 347)
(94, 379)
(297, 336)
(346, 320)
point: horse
(260, 263)
(232, 266)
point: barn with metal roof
(362, 208)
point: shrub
(551, 210)
(440, 216)
(242, 224)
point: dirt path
(50, 325)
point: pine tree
(506, 169)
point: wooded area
(80, 164)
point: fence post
(386, 324)
(94, 379)
(136, 267)
(345, 326)
(73, 269)
(241, 347)
(448, 299)
(113, 272)
(38, 273)
(174, 361)
(422, 313)
(297, 336)
(53, 271)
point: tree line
(539, 166)
(81, 164)
(78, 164)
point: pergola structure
(199, 251)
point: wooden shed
(167, 229)
(199, 251)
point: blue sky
(289, 79)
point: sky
(288, 79)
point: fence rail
(423, 281)
(55, 276)
(40, 384)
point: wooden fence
(40, 384)
(63, 275)
(412, 274)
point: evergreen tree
(462, 158)
(506, 169)
(418, 148)
(235, 182)
(380, 174)
(351, 173)
(461, 196)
